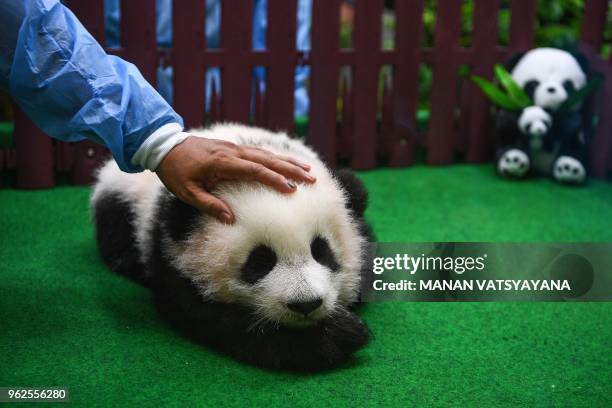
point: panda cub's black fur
(277, 289)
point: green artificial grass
(66, 320)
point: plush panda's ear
(511, 63)
(582, 61)
(179, 218)
(355, 190)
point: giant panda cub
(277, 288)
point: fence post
(188, 43)
(601, 145)
(408, 36)
(91, 14)
(593, 26)
(346, 127)
(139, 36)
(282, 16)
(236, 27)
(440, 140)
(85, 156)
(594, 22)
(484, 44)
(522, 28)
(368, 20)
(324, 78)
(34, 154)
(88, 157)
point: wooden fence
(369, 127)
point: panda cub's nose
(551, 90)
(305, 307)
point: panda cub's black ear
(355, 190)
(178, 217)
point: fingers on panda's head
(355, 190)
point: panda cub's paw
(513, 163)
(568, 170)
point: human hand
(193, 168)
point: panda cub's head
(549, 76)
(292, 259)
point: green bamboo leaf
(514, 90)
(497, 97)
(578, 97)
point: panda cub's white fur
(314, 242)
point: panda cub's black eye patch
(260, 262)
(569, 86)
(323, 254)
(530, 87)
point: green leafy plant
(514, 90)
(512, 97)
(515, 98)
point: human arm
(65, 82)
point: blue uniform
(62, 78)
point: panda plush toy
(277, 288)
(547, 137)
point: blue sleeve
(65, 82)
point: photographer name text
(474, 284)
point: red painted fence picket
(592, 34)
(366, 69)
(377, 121)
(408, 37)
(282, 20)
(34, 154)
(188, 44)
(236, 28)
(325, 36)
(443, 92)
(484, 42)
